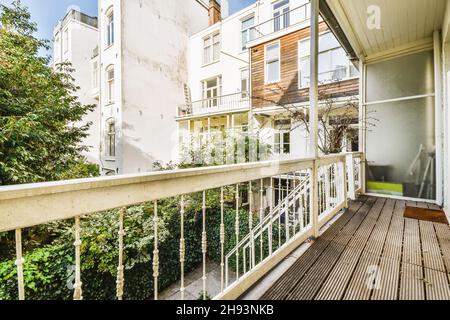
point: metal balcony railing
(229, 102)
(291, 18)
(316, 189)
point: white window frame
(266, 63)
(246, 72)
(110, 32)
(210, 46)
(281, 133)
(66, 40)
(281, 16)
(111, 140)
(247, 31)
(301, 56)
(95, 74)
(110, 84)
(58, 47)
(213, 101)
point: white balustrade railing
(284, 21)
(229, 102)
(296, 198)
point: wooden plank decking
(372, 253)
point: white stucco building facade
(75, 38)
(143, 68)
(221, 96)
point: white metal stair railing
(291, 214)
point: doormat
(426, 214)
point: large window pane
(304, 72)
(272, 52)
(401, 77)
(401, 148)
(328, 41)
(273, 71)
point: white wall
(154, 69)
(446, 107)
(82, 41)
(110, 56)
(232, 59)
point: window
(110, 138)
(248, 32)
(281, 15)
(272, 63)
(282, 136)
(245, 83)
(211, 48)
(333, 62)
(95, 75)
(57, 48)
(66, 40)
(110, 84)
(110, 28)
(212, 89)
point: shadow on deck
(372, 253)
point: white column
(439, 117)
(313, 90)
(350, 167)
(363, 124)
(19, 263)
(314, 112)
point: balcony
(316, 190)
(285, 23)
(221, 104)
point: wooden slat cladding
(287, 90)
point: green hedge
(49, 270)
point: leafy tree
(40, 132)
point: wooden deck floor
(372, 253)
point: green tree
(40, 132)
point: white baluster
(78, 294)
(294, 205)
(280, 191)
(204, 244)
(328, 172)
(271, 206)
(155, 251)
(236, 229)
(120, 269)
(222, 240)
(182, 248)
(286, 213)
(19, 264)
(250, 226)
(261, 217)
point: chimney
(214, 12)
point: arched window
(110, 84)
(110, 27)
(110, 138)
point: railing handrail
(53, 201)
(219, 97)
(256, 27)
(299, 215)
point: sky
(47, 13)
